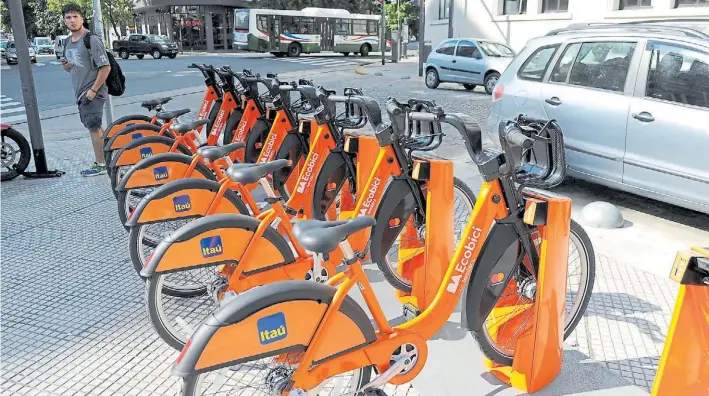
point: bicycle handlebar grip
(420, 116)
(286, 88)
(338, 99)
(517, 138)
(193, 66)
(524, 118)
(469, 129)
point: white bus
(307, 31)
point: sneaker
(94, 170)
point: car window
(602, 65)
(134, 38)
(678, 74)
(536, 65)
(467, 49)
(496, 50)
(563, 66)
(446, 48)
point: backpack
(116, 81)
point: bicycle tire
(190, 384)
(257, 137)
(123, 195)
(472, 311)
(152, 283)
(291, 149)
(380, 245)
(25, 152)
(334, 170)
(231, 124)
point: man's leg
(91, 114)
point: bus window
(262, 23)
(359, 27)
(373, 28)
(343, 27)
(287, 25)
(305, 25)
(241, 20)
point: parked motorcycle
(16, 153)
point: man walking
(89, 69)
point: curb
(360, 70)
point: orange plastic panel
(132, 156)
(271, 329)
(118, 127)
(188, 202)
(279, 131)
(124, 139)
(160, 173)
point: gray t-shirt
(86, 64)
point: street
(147, 75)
(74, 315)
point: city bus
(307, 31)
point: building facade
(516, 21)
(192, 24)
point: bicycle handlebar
(467, 126)
(516, 138)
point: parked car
(3, 44)
(470, 62)
(59, 42)
(633, 105)
(43, 45)
(11, 53)
(141, 44)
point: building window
(690, 3)
(513, 7)
(678, 74)
(629, 4)
(555, 5)
(443, 7)
(536, 65)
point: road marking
(39, 64)
(20, 109)
(319, 61)
(10, 104)
(55, 62)
(4, 99)
(13, 119)
(4, 67)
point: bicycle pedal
(410, 311)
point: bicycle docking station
(684, 364)
(366, 148)
(437, 247)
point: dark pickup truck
(141, 44)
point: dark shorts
(91, 112)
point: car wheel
(490, 82)
(123, 54)
(432, 79)
(33, 60)
(172, 56)
(140, 56)
(346, 53)
(469, 87)
(57, 56)
(157, 54)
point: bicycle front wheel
(497, 338)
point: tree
(28, 14)
(117, 13)
(405, 13)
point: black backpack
(116, 81)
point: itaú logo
(268, 149)
(464, 264)
(368, 203)
(305, 180)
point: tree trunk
(112, 20)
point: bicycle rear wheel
(580, 279)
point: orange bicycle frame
(209, 98)
(248, 120)
(228, 106)
(279, 131)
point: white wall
(484, 19)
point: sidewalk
(73, 312)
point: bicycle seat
(169, 115)
(152, 103)
(251, 173)
(213, 153)
(324, 236)
(185, 127)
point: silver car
(11, 53)
(470, 62)
(633, 104)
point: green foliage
(406, 13)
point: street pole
(384, 34)
(422, 28)
(29, 95)
(98, 29)
(451, 8)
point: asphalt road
(53, 85)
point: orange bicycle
(296, 337)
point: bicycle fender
(141, 148)
(184, 198)
(270, 320)
(124, 122)
(126, 135)
(501, 237)
(161, 169)
(219, 239)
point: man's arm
(98, 54)
(100, 78)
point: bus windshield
(241, 20)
